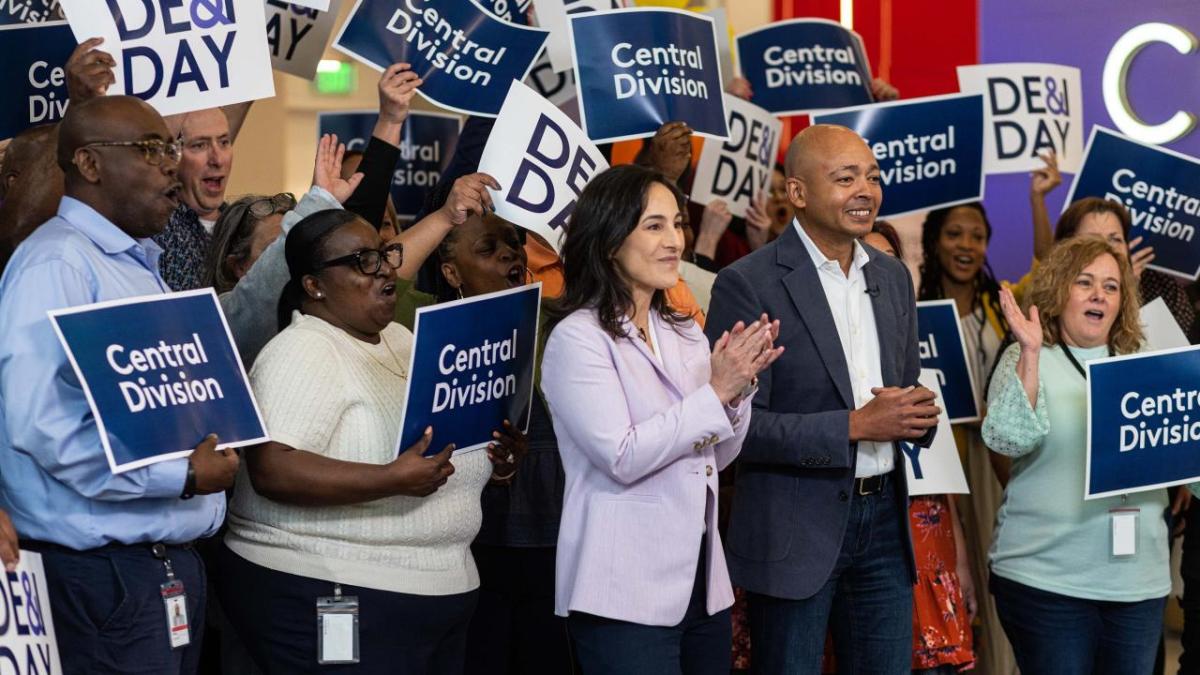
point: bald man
(819, 529)
(106, 539)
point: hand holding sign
(895, 413)
(397, 86)
(215, 469)
(1044, 180)
(506, 452)
(470, 196)
(89, 71)
(1141, 258)
(671, 149)
(416, 475)
(327, 171)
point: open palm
(1026, 330)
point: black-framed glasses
(153, 149)
(369, 261)
(269, 206)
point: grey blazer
(795, 473)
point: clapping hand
(740, 354)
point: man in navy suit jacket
(819, 530)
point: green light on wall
(335, 78)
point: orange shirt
(547, 268)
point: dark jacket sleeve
(370, 199)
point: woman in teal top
(1066, 603)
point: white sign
(1029, 108)
(319, 5)
(183, 55)
(297, 35)
(738, 169)
(542, 161)
(28, 645)
(936, 470)
(552, 15)
(1160, 327)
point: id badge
(337, 629)
(175, 602)
(1123, 528)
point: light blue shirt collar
(102, 231)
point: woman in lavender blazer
(645, 416)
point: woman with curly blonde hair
(1067, 605)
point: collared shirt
(185, 243)
(55, 480)
(854, 316)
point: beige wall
(275, 149)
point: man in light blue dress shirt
(109, 542)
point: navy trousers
(108, 610)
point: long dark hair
(304, 250)
(608, 210)
(987, 289)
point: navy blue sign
(466, 56)
(512, 11)
(804, 64)
(472, 368)
(1143, 422)
(15, 12)
(160, 374)
(426, 146)
(640, 68)
(930, 150)
(32, 75)
(1161, 189)
(940, 341)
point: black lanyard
(1075, 362)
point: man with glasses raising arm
(105, 538)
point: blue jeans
(698, 645)
(1052, 633)
(866, 603)
(108, 609)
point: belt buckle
(876, 484)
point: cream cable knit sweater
(323, 391)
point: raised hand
(1042, 181)
(397, 86)
(758, 223)
(89, 71)
(1140, 258)
(1026, 330)
(468, 196)
(327, 170)
(671, 149)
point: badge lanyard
(337, 628)
(1122, 520)
(174, 601)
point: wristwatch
(748, 389)
(189, 484)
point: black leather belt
(870, 485)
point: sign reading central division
(640, 68)
(472, 368)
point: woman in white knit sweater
(326, 509)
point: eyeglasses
(370, 261)
(153, 150)
(269, 206)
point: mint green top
(1046, 535)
